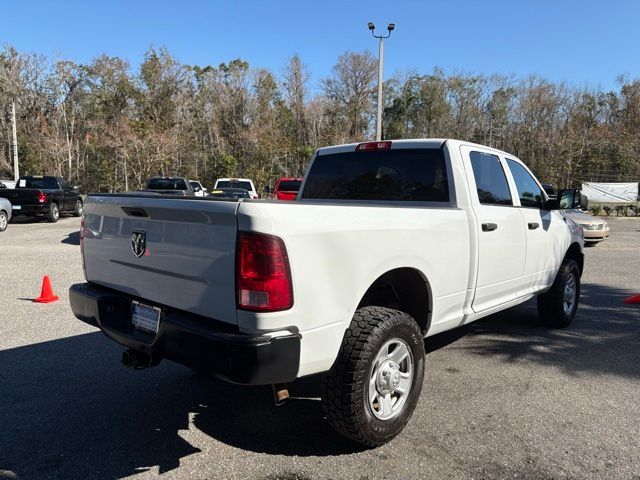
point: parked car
(7, 184)
(595, 229)
(198, 189)
(5, 214)
(287, 188)
(243, 183)
(43, 196)
(170, 186)
(230, 193)
(389, 242)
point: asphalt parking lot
(503, 398)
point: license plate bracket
(145, 317)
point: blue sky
(581, 42)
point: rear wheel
(4, 221)
(77, 211)
(54, 213)
(375, 383)
(557, 306)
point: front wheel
(374, 385)
(557, 306)
(4, 221)
(54, 213)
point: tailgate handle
(135, 212)
(489, 227)
(533, 225)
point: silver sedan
(5, 214)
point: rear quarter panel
(337, 251)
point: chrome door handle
(533, 225)
(489, 227)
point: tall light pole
(380, 38)
(16, 170)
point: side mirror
(571, 198)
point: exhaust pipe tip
(137, 360)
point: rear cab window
(45, 183)
(167, 184)
(289, 185)
(491, 180)
(234, 184)
(417, 175)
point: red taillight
(263, 277)
(365, 147)
(42, 197)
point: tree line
(107, 126)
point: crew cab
(43, 196)
(388, 242)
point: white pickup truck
(387, 243)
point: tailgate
(189, 259)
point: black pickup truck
(43, 196)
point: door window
(529, 191)
(491, 182)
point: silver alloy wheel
(55, 213)
(79, 208)
(3, 221)
(391, 379)
(569, 298)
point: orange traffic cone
(633, 299)
(46, 295)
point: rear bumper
(198, 342)
(31, 210)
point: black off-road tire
(54, 213)
(4, 220)
(345, 400)
(77, 210)
(551, 308)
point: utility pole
(16, 170)
(380, 38)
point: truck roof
(405, 143)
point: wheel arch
(404, 288)
(574, 252)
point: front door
(500, 230)
(545, 230)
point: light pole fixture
(380, 38)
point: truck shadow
(602, 339)
(69, 410)
(72, 238)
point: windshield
(46, 183)
(167, 184)
(236, 184)
(392, 175)
(289, 185)
(195, 185)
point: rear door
(501, 235)
(545, 230)
(68, 194)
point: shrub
(607, 209)
(595, 210)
